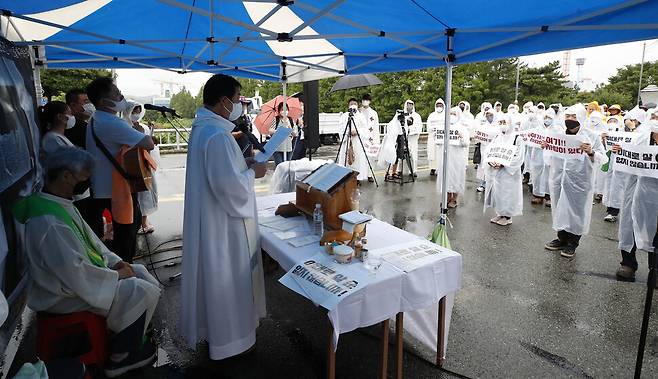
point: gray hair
(71, 159)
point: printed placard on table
(325, 282)
(501, 153)
(565, 145)
(616, 138)
(641, 160)
(411, 255)
(485, 135)
(533, 137)
(453, 137)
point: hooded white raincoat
(435, 121)
(457, 158)
(413, 132)
(504, 191)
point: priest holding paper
(571, 180)
(223, 294)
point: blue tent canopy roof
(329, 37)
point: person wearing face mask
(435, 121)
(571, 183)
(498, 109)
(513, 117)
(222, 277)
(595, 123)
(414, 128)
(504, 191)
(82, 109)
(372, 138)
(284, 151)
(494, 127)
(614, 111)
(465, 107)
(457, 161)
(108, 138)
(529, 120)
(71, 270)
(148, 200)
(541, 110)
(592, 107)
(484, 107)
(351, 153)
(637, 221)
(538, 169)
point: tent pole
(639, 84)
(284, 87)
(450, 58)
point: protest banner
(453, 137)
(641, 160)
(533, 137)
(325, 282)
(565, 146)
(485, 134)
(501, 153)
(615, 138)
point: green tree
(198, 100)
(56, 82)
(183, 103)
(622, 87)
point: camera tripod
(401, 159)
(347, 133)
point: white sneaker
(610, 218)
(480, 189)
(504, 221)
(495, 219)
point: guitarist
(108, 136)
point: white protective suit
(539, 170)
(413, 132)
(495, 129)
(63, 279)
(387, 152)
(435, 121)
(513, 117)
(529, 120)
(457, 157)
(644, 209)
(466, 113)
(499, 115)
(222, 289)
(571, 181)
(360, 162)
(371, 137)
(504, 191)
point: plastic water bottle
(318, 220)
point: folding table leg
(399, 345)
(383, 373)
(331, 353)
(441, 332)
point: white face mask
(438, 109)
(89, 108)
(70, 121)
(505, 129)
(235, 112)
(119, 106)
(366, 103)
(135, 117)
(548, 122)
(595, 121)
(453, 119)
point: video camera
(402, 115)
(352, 111)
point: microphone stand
(171, 118)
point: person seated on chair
(71, 270)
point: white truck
(330, 129)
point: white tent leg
(446, 133)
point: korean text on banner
(533, 137)
(501, 153)
(453, 137)
(325, 282)
(641, 160)
(615, 138)
(485, 135)
(565, 145)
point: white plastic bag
(32, 371)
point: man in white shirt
(222, 289)
(114, 133)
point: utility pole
(518, 72)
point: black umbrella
(355, 81)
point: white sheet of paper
(282, 225)
(292, 234)
(275, 141)
(304, 240)
(327, 176)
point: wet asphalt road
(522, 312)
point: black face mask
(571, 124)
(81, 187)
(462, 107)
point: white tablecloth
(391, 291)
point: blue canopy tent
(296, 41)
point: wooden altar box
(335, 201)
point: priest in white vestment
(222, 292)
(351, 152)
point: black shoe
(432, 172)
(555, 245)
(568, 252)
(144, 357)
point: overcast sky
(600, 63)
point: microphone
(162, 109)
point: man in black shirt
(82, 109)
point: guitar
(139, 166)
